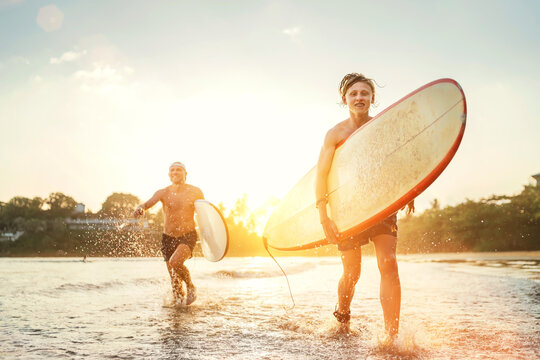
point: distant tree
(242, 215)
(60, 205)
(498, 223)
(435, 204)
(119, 205)
(240, 209)
(3, 220)
(24, 207)
(33, 225)
(524, 210)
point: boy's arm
(323, 167)
(410, 207)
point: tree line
(497, 223)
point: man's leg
(390, 291)
(176, 283)
(181, 254)
(351, 260)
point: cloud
(103, 78)
(67, 57)
(292, 33)
(99, 73)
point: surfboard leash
(283, 271)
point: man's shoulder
(336, 133)
(160, 192)
(193, 188)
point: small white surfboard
(213, 232)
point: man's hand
(139, 211)
(331, 231)
(410, 207)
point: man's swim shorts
(386, 227)
(170, 243)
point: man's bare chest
(179, 202)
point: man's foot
(178, 292)
(392, 335)
(344, 328)
(388, 340)
(344, 320)
(191, 295)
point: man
(179, 235)
(358, 93)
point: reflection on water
(455, 306)
(519, 264)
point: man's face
(359, 97)
(177, 174)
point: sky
(99, 97)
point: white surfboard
(378, 169)
(213, 232)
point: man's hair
(177, 164)
(351, 79)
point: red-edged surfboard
(378, 169)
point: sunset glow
(243, 95)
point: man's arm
(139, 211)
(321, 189)
(199, 194)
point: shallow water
(454, 306)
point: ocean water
(454, 306)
